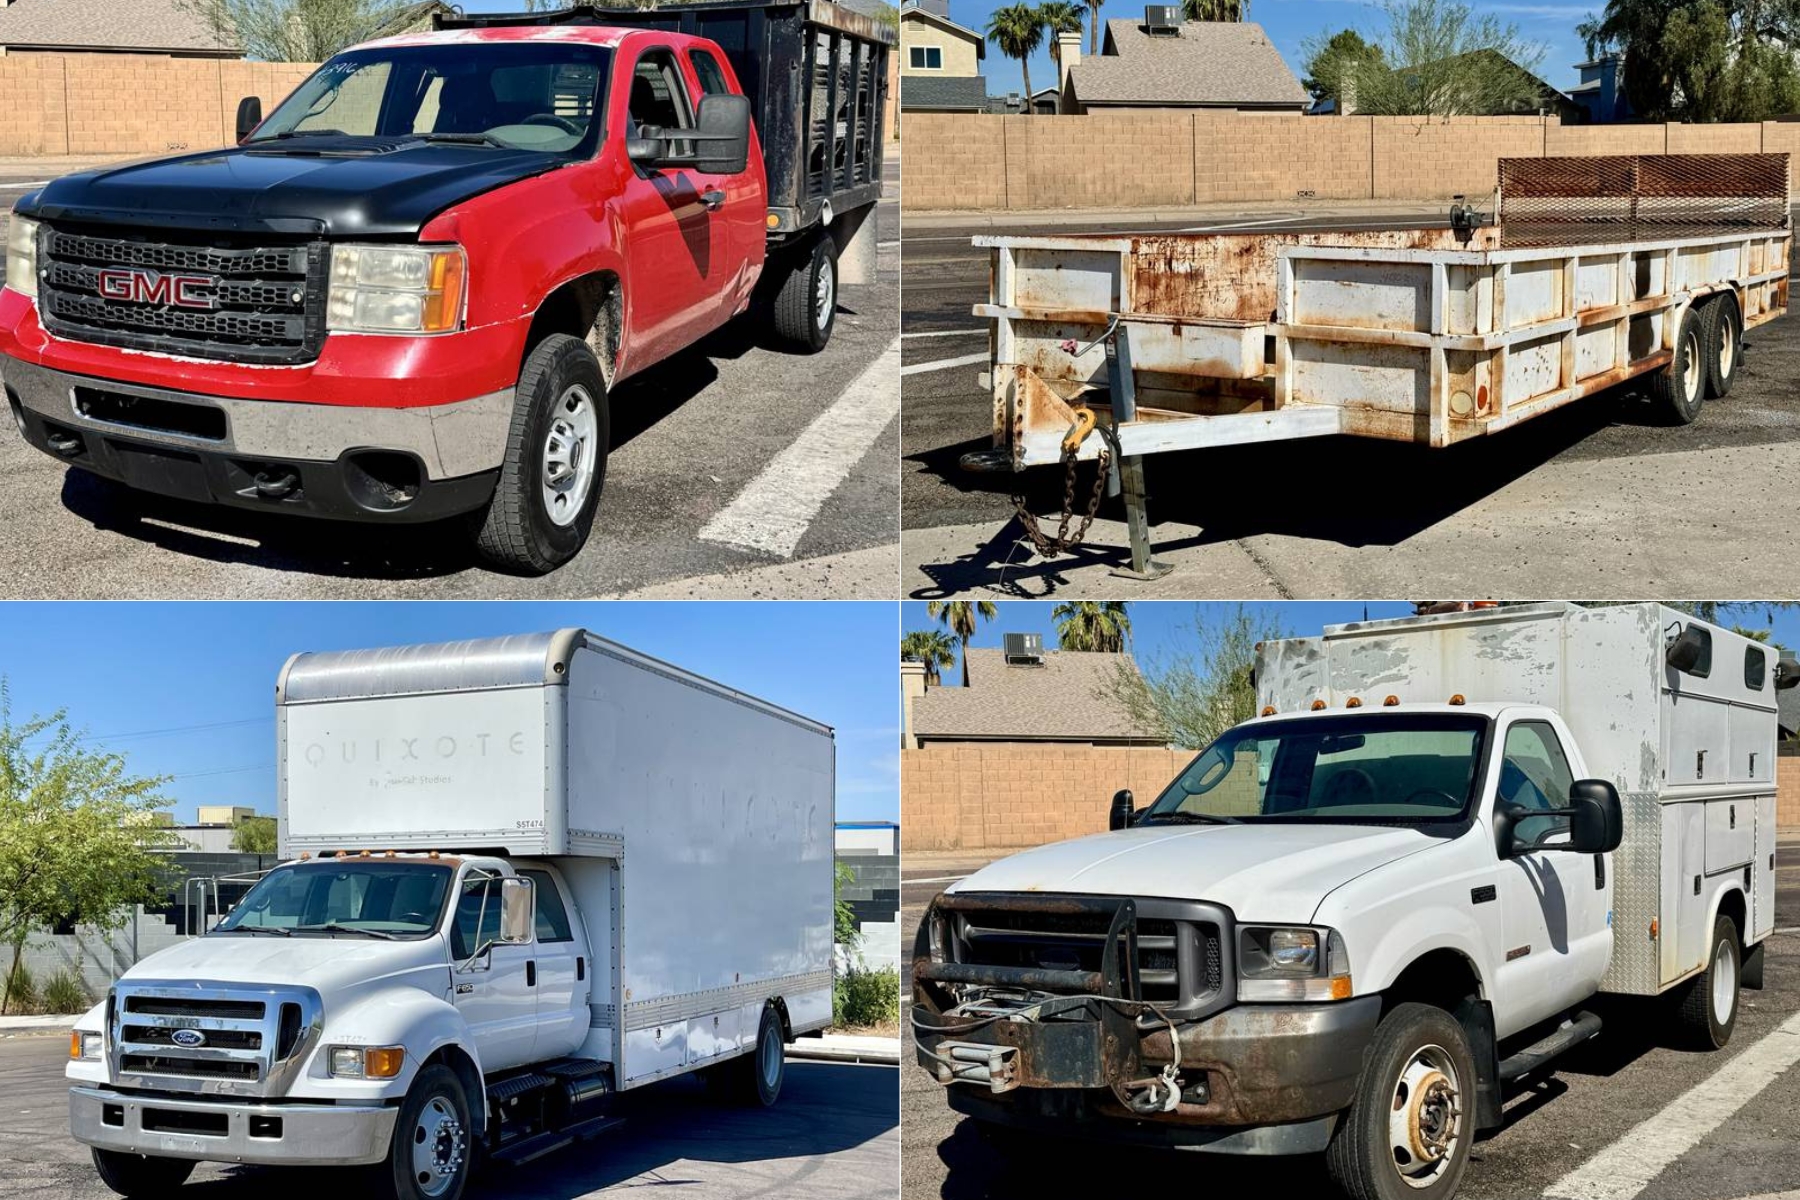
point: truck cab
(1349, 921)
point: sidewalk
(37, 1026)
(847, 1048)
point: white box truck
(1351, 920)
(524, 874)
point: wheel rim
(1727, 347)
(1690, 378)
(825, 297)
(1724, 983)
(1425, 1117)
(439, 1147)
(771, 1057)
(571, 450)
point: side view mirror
(518, 910)
(250, 115)
(724, 141)
(1120, 816)
(646, 151)
(1787, 671)
(1596, 821)
(1686, 651)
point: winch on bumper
(1117, 1018)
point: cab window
(1535, 775)
(477, 917)
(709, 73)
(552, 917)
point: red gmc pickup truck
(407, 294)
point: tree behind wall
(76, 834)
(1702, 60)
(254, 835)
(1203, 687)
(1331, 66)
(305, 30)
(1439, 58)
(1018, 31)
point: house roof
(162, 25)
(921, 14)
(1068, 698)
(1229, 64)
(940, 93)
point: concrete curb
(50, 1026)
(882, 1052)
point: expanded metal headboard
(1641, 197)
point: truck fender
(426, 1025)
(1408, 938)
(1717, 903)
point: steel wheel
(770, 1064)
(1724, 983)
(1695, 374)
(440, 1146)
(1425, 1120)
(570, 454)
(1727, 348)
(825, 295)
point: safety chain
(1062, 543)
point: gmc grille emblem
(138, 286)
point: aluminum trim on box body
(666, 1010)
(1636, 965)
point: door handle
(713, 199)
(530, 973)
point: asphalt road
(691, 437)
(1595, 1097)
(1596, 496)
(833, 1135)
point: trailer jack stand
(1127, 472)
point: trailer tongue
(1592, 272)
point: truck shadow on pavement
(675, 1134)
(1293, 489)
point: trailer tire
(1679, 390)
(802, 303)
(1700, 999)
(432, 1154)
(141, 1174)
(756, 1077)
(1724, 344)
(1413, 1113)
(550, 482)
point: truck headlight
(85, 1046)
(396, 289)
(366, 1062)
(1292, 962)
(22, 256)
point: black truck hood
(310, 186)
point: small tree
(1439, 59)
(843, 918)
(1331, 66)
(304, 30)
(254, 835)
(76, 833)
(1197, 692)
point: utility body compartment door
(1762, 871)
(1730, 833)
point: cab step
(1583, 1026)
(536, 1146)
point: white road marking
(775, 509)
(936, 333)
(34, 184)
(940, 879)
(1627, 1167)
(943, 364)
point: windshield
(371, 898)
(528, 96)
(1391, 768)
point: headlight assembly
(396, 289)
(22, 256)
(1292, 962)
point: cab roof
(1370, 706)
(587, 35)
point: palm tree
(961, 616)
(1094, 27)
(933, 647)
(1094, 625)
(1059, 17)
(1018, 29)
(1216, 10)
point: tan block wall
(959, 51)
(1009, 795)
(1160, 157)
(130, 103)
(1787, 794)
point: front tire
(1707, 1005)
(433, 1139)
(141, 1175)
(803, 303)
(1679, 390)
(1408, 1132)
(1724, 344)
(555, 467)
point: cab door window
(709, 73)
(1535, 775)
(659, 97)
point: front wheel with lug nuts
(433, 1139)
(1408, 1131)
(555, 466)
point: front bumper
(401, 465)
(296, 1135)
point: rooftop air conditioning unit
(1163, 20)
(1024, 649)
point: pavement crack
(1282, 590)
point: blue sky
(187, 689)
(1161, 626)
(1292, 23)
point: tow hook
(1157, 1094)
(276, 484)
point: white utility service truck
(1350, 921)
(526, 873)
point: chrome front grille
(256, 303)
(227, 1039)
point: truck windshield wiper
(334, 927)
(256, 929)
(288, 134)
(465, 139)
(1189, 818)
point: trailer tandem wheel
(1724, 344)
(1679, 390)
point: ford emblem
(188, 1037)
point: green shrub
(65, 994)
(864, 997)
(20, 990)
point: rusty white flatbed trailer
(1592, 272)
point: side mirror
(518, 911)
(646, 151)
(1687, 650)
(1787, 671)
(723, 147)
(250, 115)
(1120, 816)
(1596, 822)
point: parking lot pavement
(833, 1134)
(1623, 1093)
(695, 439)
(1597, 487)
